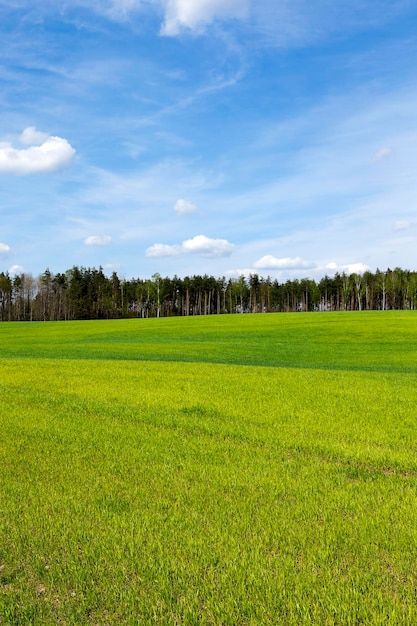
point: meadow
(216, 470)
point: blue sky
(217, 137)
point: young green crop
(275, 487)
(371, 340)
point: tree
(157, 285)
(359, 289)
(5, 297)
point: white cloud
(52, 154)
(124, 6)
(357, 268)
(285, 263)
(111, 267)
(177, 14)
(332, 266)
(281, 22)
(4, 249)
(184, 207)
(119, 10)
(197, 245)
(196, 14)
(236, 273)
(16, 269)
(204, 245)
(95, 240)
(350, 268)
(161, 249)
(380, 154)
(301, 22)
(33, 137)
(402, 225)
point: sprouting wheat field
(236, 470)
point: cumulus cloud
(196, 14)
(15, 270)
(197, 245)
(204, 245)
(184, 207)
(162, 249)
(33, 137)
(44, 154)
(113, 267)
(270, 262)
(357, 268)
(96, 240)
(350, 268)
(4, 249)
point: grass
(244, 470)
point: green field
(222, 470)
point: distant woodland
(84, 293)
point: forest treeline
(87, 293)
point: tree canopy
(87, 293)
